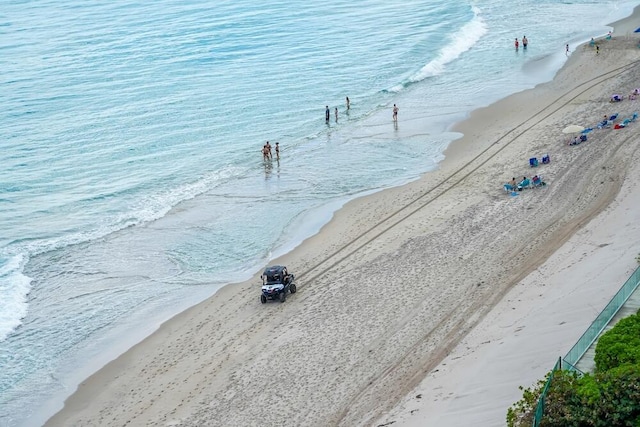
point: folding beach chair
(546, 159)
(525, 183)
(537, 181)
(510, 189)
(533, 162)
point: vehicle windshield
(271, 279)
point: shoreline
(246, 340)
(537, 320)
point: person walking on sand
(336, 114)
(517, 44)
(348, 103)
(327, 114)
(395, 113)
(525, 42)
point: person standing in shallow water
(395, 113)
(268, 147)
(348, 103)
(336, 114)
(525, 42)
(516, 43)
(327, 114)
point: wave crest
(14, 288)
(462, 41)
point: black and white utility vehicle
(276, 282)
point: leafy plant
(610, 397)
(521, 412)
(620, 345)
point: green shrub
(521, 413)
(620, 345)
(608, 398)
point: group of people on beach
(536, 181)
(525, 42)
(266, 151)
(327, 111)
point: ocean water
(132, 181)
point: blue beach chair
(525, 183)
(533, 162)
(510, 189)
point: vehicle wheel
(263, 299)
(283, 296)
(292, 288)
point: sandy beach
(447, 288)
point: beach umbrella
(573, 129)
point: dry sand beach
(447, 287)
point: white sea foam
(460, 42)
(14, 288)
(156, 206)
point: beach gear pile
(513, 188)
(579, 135)
(611, 121)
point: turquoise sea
(132, 182)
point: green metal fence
(588, 338)
(597, 326)
(537, 416)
